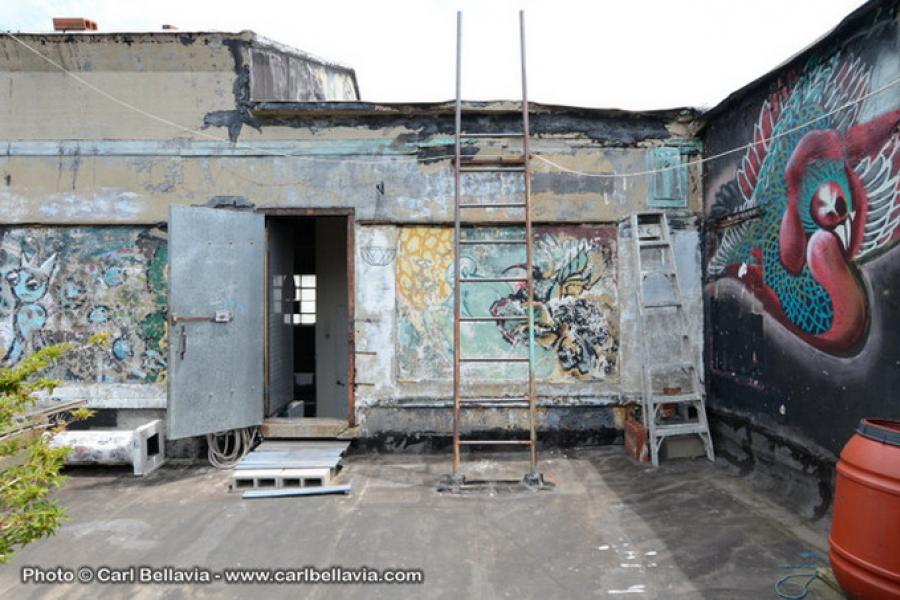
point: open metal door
(216, 276)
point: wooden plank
(302, 428)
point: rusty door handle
(221, 316)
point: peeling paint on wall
(68, 283)
(576, 310)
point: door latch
(220, 316)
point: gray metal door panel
(216, 267)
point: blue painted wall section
(67, 283)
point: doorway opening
(308, 330)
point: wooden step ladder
(519, 166)
(655, 260)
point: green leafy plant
(29, 467)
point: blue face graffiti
(65, 284)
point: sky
(630, 54)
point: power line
(743, 148)
(387, 159)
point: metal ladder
(463, 166)
(651, 234)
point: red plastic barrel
(865, 528)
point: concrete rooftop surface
(610, 528)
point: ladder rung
(652, 243)
(504, 205)
(489, 359)
(493, 399)
(492, 169)
(663, 272)
(680, 429)
(675, 398)
(506, 134)
(667, 303)
(491, 242)
(492, 279)
(493, 162)
(497, 442)
(491, 319)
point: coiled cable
(227, 448)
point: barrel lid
(880, 430)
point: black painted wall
(788, 377)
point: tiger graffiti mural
(576, 314)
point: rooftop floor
(610, 528)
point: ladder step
(494, 401)
(680, 429)
(493, 398)
(492, 319)
(663, 272)
(686, 398)
(492, 279)
(492, 169)
(495, 442)
(492, 162)
(491, 242)
(505, 134)
(656, 218)
(490, 359)
(504, 205)
(650, 243)
(667, 303)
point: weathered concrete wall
(391, 165)
(386, 175)
(404, 329)
(189, 81)
(285, 75)
(802, 265)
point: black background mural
(803, 382)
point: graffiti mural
(821, 176)
(68, 283)
(576, 318)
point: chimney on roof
(74, 24)
(167, 27)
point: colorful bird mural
(826, 185)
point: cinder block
(148, 448)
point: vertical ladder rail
(529, 250)
(456, 234)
